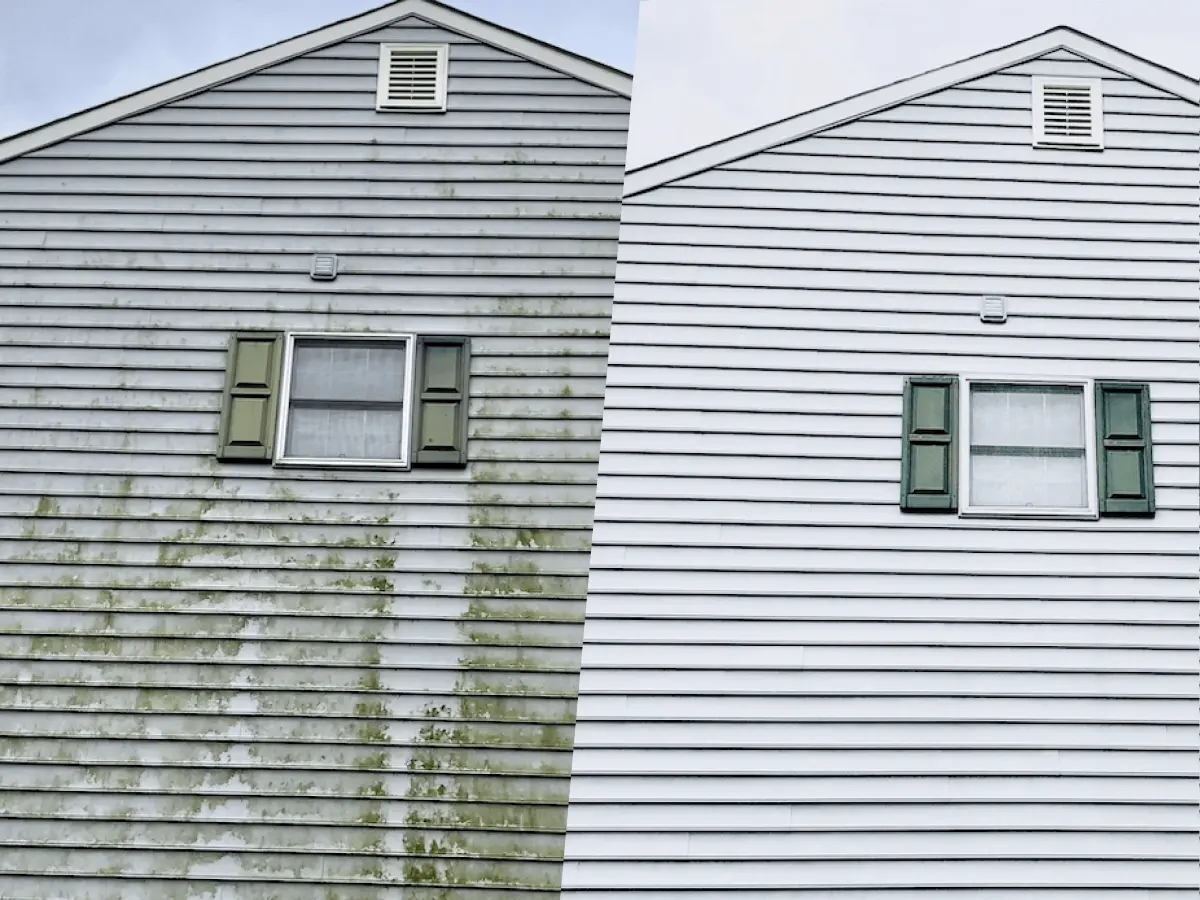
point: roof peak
(433, 11)
(856, 106)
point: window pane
(316, 433)
(1031, 416)
(324, 369)
(1037, 482)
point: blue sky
(706, 68)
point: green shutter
(928, 457)
(440, 422)
(251, 396)
(1124, 449)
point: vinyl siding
(233, 681)
(790, 687)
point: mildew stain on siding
(488, 785)
(485, 791)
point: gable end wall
(233, 680)
(789, 685)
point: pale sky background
(706, 69)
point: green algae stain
(373, 734)
(456, 781)
(489, 756)
(386, 561)
(47, 506)
(518, 539)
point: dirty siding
(790, 687)
(224, 680)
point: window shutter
(929, 463)
(1124, 447)
(251, 396)
(441, 401)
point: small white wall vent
(324, 267)
(1068, 112)
(412, 77)
(993, 309)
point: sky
(705, 69)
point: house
(302, 374)
(893, 586)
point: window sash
(1033, 415)
(358, 374)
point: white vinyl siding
(790, 686)
(253, 682)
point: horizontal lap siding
(789, 686)
(228, 679)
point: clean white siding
(790, 687)
(223, 680)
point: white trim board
(794, 128)
(556, 58)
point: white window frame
(285, 400)
(438, 104)
(1092, 510)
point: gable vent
(412, 77)
(1068, 113)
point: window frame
(1091, 458)
(285, 401)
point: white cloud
(707, 69)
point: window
(1026, 447)
(334, 399)
(1029, 447)
(346, 399)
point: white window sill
(1082, 515)
(377, 464)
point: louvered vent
(324, 266)
(412, 77)
(1067, 113)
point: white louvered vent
(1068, 113)
(993, 309)
(324, 266)
(412, 77)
